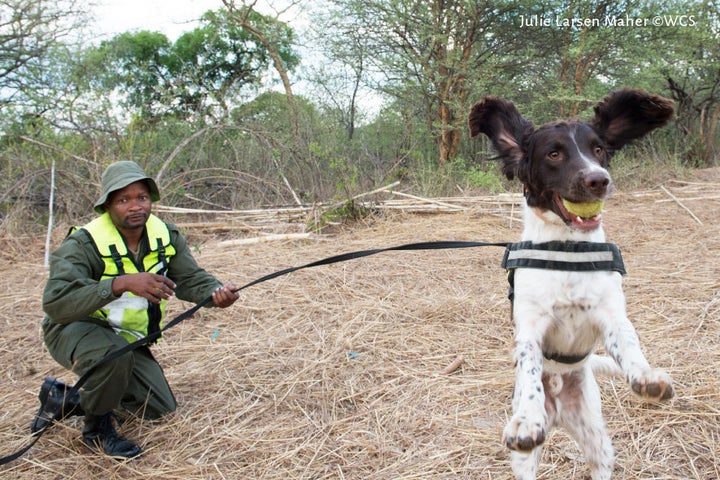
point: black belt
(566, 359)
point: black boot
(99, 434)
(55, 404)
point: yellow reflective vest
(131, 316)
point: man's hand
(224, 296)
(151, 286)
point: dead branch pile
(296, 219)
(395, 366)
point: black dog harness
(566, 256)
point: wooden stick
(378, 190)
(217, 226)
(360, 195)
(681, 204)
(261, 211)
(691, 199)
(427, 200)
(454, 365)
(51, 209)
(266, 238)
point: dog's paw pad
(523, 435)
(653, 385)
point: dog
(561, 315)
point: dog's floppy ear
(506, 128)
(627, 114)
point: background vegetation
(247, 110)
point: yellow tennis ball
(585, 209)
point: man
(109, 283)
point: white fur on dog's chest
(566, 310)
(562, 295)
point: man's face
(129, 208)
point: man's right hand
(151, 286)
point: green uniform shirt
(74, 290)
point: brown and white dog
(562, 315)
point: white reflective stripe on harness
(555, 256)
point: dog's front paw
(654, 385)
(524, 433)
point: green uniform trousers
(134, 382)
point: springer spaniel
(567, 285)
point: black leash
(153, 337)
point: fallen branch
(360, 195)
(219, 226)
(681, 204)
(427, 200)
(377, 190)
(266, 238)
(693, 199)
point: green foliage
(457, 177)
(339, 168)
(30, 31)
(479, 177)
(199, 113)
(199, 76)
(430, 54)
(349, 211)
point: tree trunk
(241, 16)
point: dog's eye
(554, 155)
(599, 150)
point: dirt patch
(336, 372)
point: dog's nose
(597, 183)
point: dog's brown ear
(630, 113)
(506, 128)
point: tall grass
(647, 165)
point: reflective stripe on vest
(130, 315)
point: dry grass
(336, 372)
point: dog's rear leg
(582, 418)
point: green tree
(344, 72)
(30, 31)
(585, 48)
(275, 38)
(429, 54)
(201, 76)
(692, 73)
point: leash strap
(153, 336)
(441, 245)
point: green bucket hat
(119, 175)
